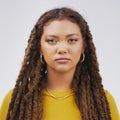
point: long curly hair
(27, 97)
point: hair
(87, 84)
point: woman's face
(61, 45)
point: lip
(62, 60)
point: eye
(51, 41)
(72, 40)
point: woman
(59, 78)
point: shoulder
(113, 107)
(5, 105)
(8, 95)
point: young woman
(59, 78)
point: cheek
(47, 56)
(77, 50)
(44, 48)
(47, 53)
(77, 53)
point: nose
(62, 48)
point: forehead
(65, 26)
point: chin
(63, 69)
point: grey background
(17, 19)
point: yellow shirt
(60, 109)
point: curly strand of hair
(83, 98)
(40, 104)
(28, 109)
(96, 86)
(97, 100)
(97, 96)
(80, 93)
(35, 107)
(16, 105)
(103, 99)
(15, 91)
(38, 98)
(24, 88)
(33, 90)
(25, 67)
(106, 106)
(22, 110)
(19, 94)
(35, 81)
(91, 58)
(90, 102)
(17, 101)
(82, 86)
(75, 83)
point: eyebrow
(69, 35)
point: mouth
(62, 60)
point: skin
(61, 45)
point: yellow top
(60, 109)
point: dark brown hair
(27, 98)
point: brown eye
(51, 41)
(72, 40)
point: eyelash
(53, 41)
(50, 41)
(72, 40)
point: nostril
(61, 51)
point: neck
(59, 81)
